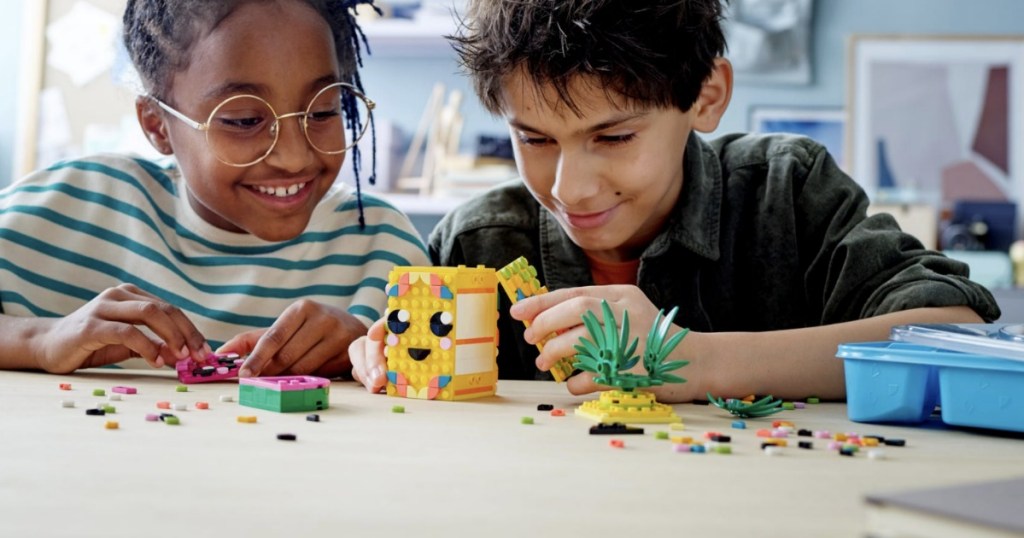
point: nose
(574, 178)
(292, 151)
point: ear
(154, 124)
(714, 97)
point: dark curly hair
(160, 34)
(652, 52)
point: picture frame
(937, 118)
(770, 41)
(826, 125)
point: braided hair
(159, 36)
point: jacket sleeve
(865, 266)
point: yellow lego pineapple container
(442, 336)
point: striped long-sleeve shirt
(80, 227)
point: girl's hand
(368, 361)
(308, 338)
(108, 329)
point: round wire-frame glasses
(239, 120)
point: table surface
(439, 469)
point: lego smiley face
(439, 324)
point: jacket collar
(696, 219)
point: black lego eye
(398, 321)
(441, 323)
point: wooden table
(439, 469)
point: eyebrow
(588, 130)
(233, 88)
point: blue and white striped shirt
(80, 227)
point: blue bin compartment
(897, 382)
(982, 398)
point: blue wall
(401, 85)
(10, 43)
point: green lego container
(285, 394)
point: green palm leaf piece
(761, 408)
(608, 353)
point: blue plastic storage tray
(902, 383)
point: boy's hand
(368, 361)
(308, 338)
(107, 330)
(561, 312)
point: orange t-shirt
(605, 273)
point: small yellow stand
(637, 407)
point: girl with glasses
(244, 242)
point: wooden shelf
(414, 204)
(409, 38)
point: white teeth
(280, 192)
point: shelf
(414, 204)
(409, 38)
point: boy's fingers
(582, 383)
(377, 331)
(528, 308)
(377, 379)
(270, 344)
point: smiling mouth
(279, 192)
(589, 220)
(418, 353)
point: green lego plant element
(658, 348)
(761, 408)
(609, 354)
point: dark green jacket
(768, 233)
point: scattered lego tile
(172, 420)
(227, 398)
(67, 403)
(181, 388)
(99, 392)
(202, 405)
(558, 412)
(617, 443)
(247, 419)
(526, 420)
(398, 409)
(65, 386)
(286, 437)
(111, 425)
(545, 407)
(120, 389)
(313, 418)
(615, 428)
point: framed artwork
(826, 125)
(769, 40)
(937, 118)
